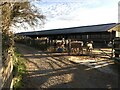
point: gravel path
(46, 70)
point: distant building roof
(73, 30)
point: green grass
(19, 69)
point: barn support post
(110, 36)
(55, 44)
(46, 41)
(65, 42)
(69, 46)
(112, 54)
(52, 42)
(49, 41)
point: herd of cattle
(75, 47)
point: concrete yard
(55, 70)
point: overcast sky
(73, 13)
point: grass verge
(19, 69)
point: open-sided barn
(101, 34)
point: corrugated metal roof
(82, 29)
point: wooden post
(69, 46)
(117, 47)
(112, 54)
(55, 44)
(50, 41)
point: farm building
(101, 34)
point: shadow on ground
(54, 71)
